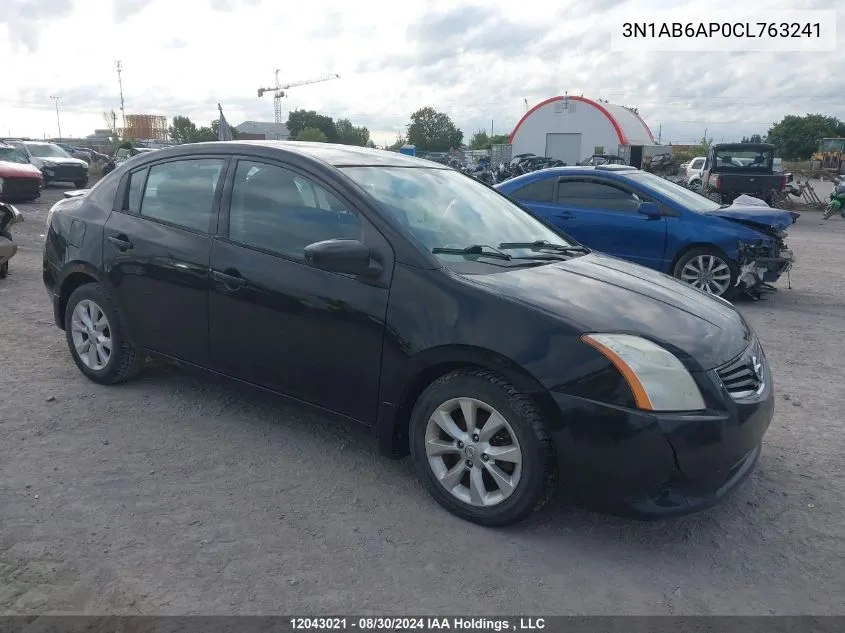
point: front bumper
(64, 173)
(649, 466)
(757, 267)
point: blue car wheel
(709, 270)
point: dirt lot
(180, 493)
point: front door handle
(231, 279)
(566, 215)
(121, 241)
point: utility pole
(120, 84)
(58, 121)
(491, 128)
(660, 134)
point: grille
(745, 376)
(69, 173)
(20, 187)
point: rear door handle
(566, 215)
(231, 279)
(121, 241)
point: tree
(754, 138)
(298, 120)
(479, 140)
(204, 135)
(312, 134)
(183, 130)
(215, 128)
(399, 142)
(500, 139)
(797, 137)
(349, 134)
(433, 131)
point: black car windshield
(681, 196)
(46, 150)
(443, 208)
(13, 155)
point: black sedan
(504, 357)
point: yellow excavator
(830, 157)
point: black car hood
(598, 293)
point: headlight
(47, 163)
(658, 380)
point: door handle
(566, 215)
(231, 279)
(121, 241)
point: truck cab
(733, 169)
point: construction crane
(279, 91)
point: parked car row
(52, 163)
(466, 329)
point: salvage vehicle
(9, 215)
(651, 221)
(56, 164)
(603, 159)
(735, 169)
(693, 170)
(20, 180)
(502, 355)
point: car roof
(612, 171)
(329, 153)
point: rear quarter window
(537, 191)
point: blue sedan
(643, 218)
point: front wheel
(80, 184)
(482, 449)
(4, 270)
(98, 342)
(708, 269)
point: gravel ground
(180, 493)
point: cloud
(477, 61)
(24, 19)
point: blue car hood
(766, 216)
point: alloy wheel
(708, 273)
(473, 452)
(91, 335)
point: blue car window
(537, 191)
(596, 195)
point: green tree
(500, 139)
(399, 142)
(433, 131)
(299, 120)
(215, 128)
(754, 138)
(797, 137)
(349, 134)
(204, 135)
(312, 134)
(182, 130)
(479, 140)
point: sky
(479, 62)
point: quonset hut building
(574, 128)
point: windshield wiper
(475, 249)
(545, 244)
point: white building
(574, 128)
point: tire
(829, 211)
(80, 184)
(698, 256)
(536, 472)
(815, 165)
(124, 360)
(4, 270)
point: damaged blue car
(643, 218)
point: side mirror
(350, 257)
(650, 210)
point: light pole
(58, 121)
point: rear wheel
(80, 184)
(98, 343)
(4, 270)
(482, 449)
(708, 269)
